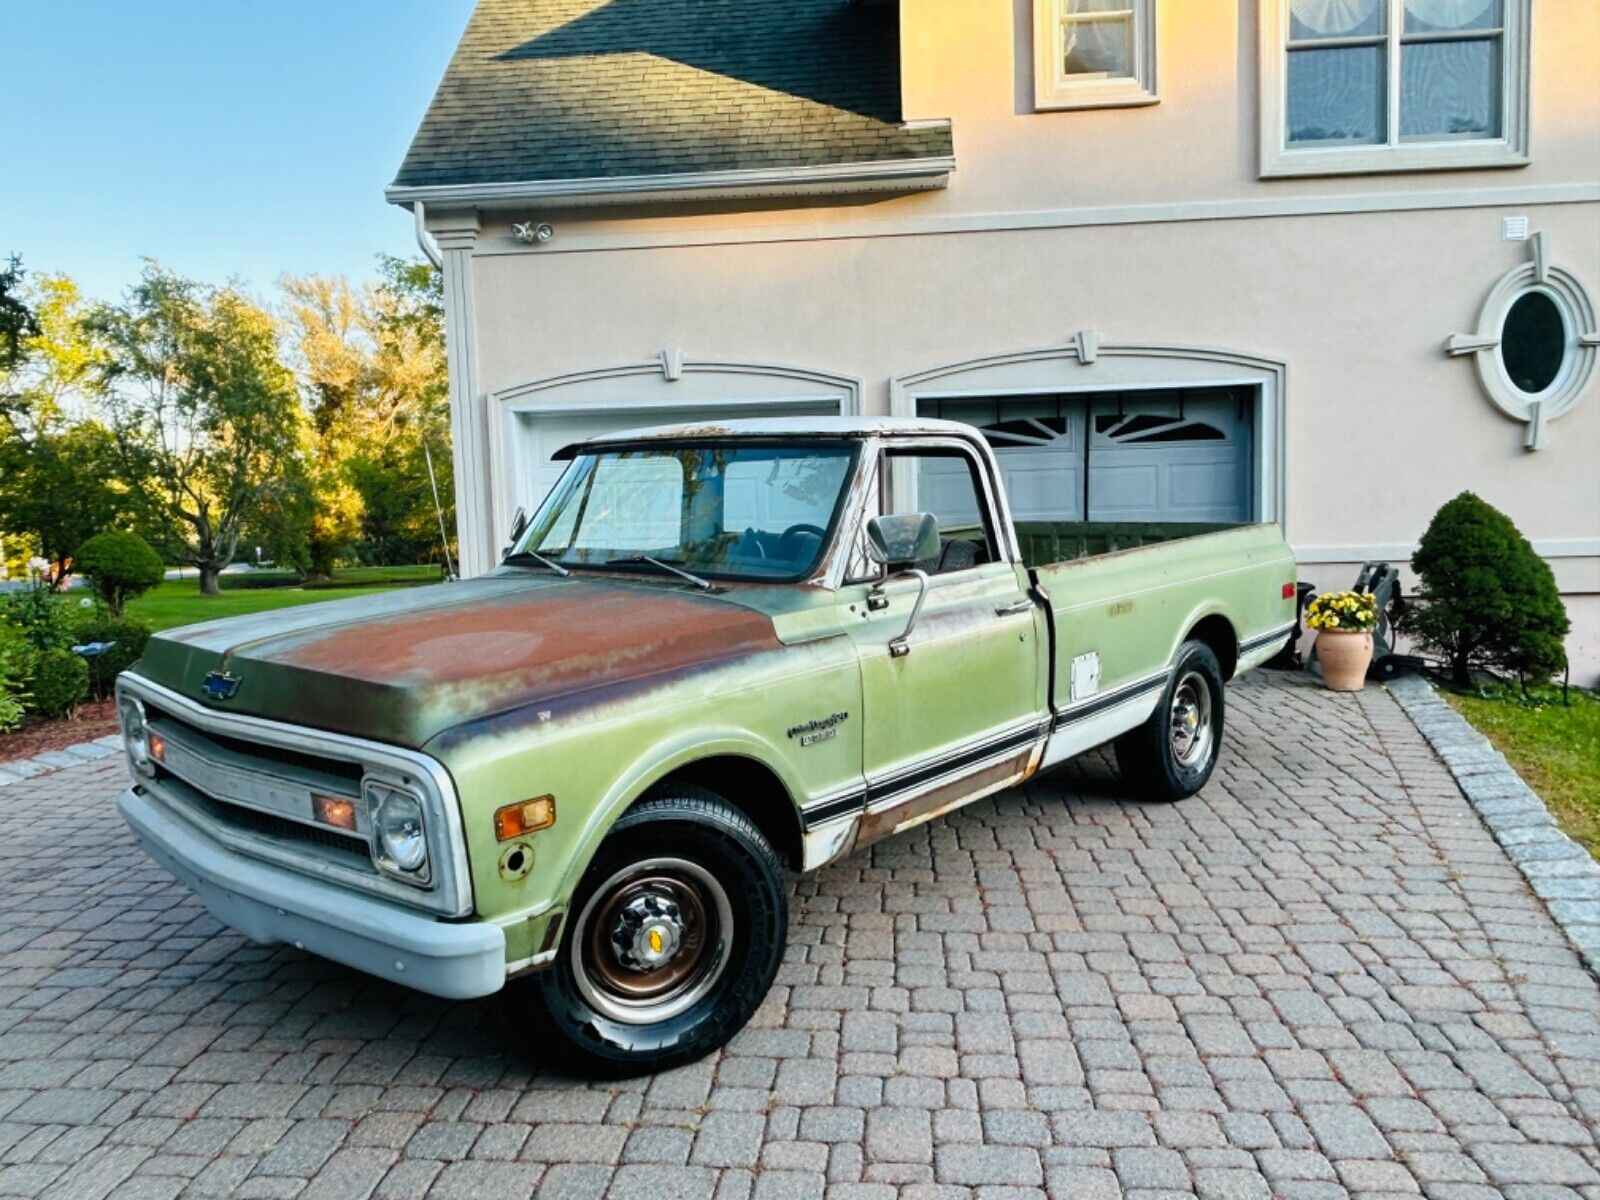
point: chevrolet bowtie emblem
(219, 685)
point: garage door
(543, 435)
(1168, 455)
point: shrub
(16, 665)
(120, 566)
(41, 615)
(1486, 598)
(130, 637)
(57, 683)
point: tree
(17, 321)
(121, 566)
(1486, 599)
(62, 488)
(372, 371)
(325, 326)
(195, 387)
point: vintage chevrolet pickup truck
(713, 653)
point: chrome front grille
(249, 783)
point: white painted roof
(787, 427)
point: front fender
(668, 755)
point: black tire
(1153, 759)
(726, 901)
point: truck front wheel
(675, 935)
(1172, 754)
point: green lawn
(1555, 748)
(179, 602)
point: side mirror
(899, 543)
(519, 526)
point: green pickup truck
(715, 652)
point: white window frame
(1510, 149)
(1053, 88)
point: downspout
(430, 251)
(429, 247)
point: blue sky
(223, 137)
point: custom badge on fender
(819, 730)
(219, 685)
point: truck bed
(1045, 543)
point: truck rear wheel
(1171, 756)
(674, 938)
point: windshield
(722, 511)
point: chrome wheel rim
(652, 940)
(1190, 713)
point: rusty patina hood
(401, 667)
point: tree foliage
(1487, 599)
(196, 389)
(120, 565)
(372, 370)
(200, 420)
(17, 321)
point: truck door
(959, 711)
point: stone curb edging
(1560, 872)
(59, 760)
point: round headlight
(400, 833)
(135, 734)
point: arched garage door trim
(655, 391)
(1086, 364)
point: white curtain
(1331, 18)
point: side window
(944, 483)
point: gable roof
(558, 92)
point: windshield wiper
(534, 558)
(633, 559)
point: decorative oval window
(1536, 346)
(1533, 343)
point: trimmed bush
(120, 566)
(57, 683)
(130, 637)
(1487, 600)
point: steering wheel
(784, 550)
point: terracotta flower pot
(1345, 656)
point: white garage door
(543, 435)
(1172, 455)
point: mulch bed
(94, 719)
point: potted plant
(1344, 622)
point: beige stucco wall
(1145, 225)
(1381, 425)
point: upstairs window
(1352, 86)
(1094, 53)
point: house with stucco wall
(1320, 262)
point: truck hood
(401, 667)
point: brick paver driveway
(1319, 977)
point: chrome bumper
(268, 904)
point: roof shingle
(591, 89)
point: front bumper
(457, 961)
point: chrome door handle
(1014, 609)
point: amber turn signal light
(335, 811)
(158, 747)
(529, 816)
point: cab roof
(776, 427)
